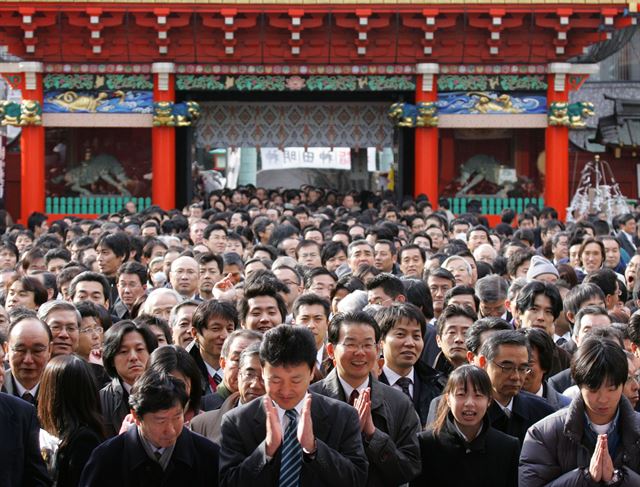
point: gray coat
(555, 455)
(393, 450)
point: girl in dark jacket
(461, 448)
(69, 409)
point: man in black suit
(21, 463)
(506, 357)
(626, 234)
(28, 351)
(159, 450)
(403, 369)
(388, 420)
(212, 322)
(291, 436)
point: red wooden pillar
(426, 145)
(556, 183)
(32, 150)
(163, 141)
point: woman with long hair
(69, 409)
(461, 448)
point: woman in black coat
(69, 409)
(461, 448)
(125, 355)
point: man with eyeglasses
(232, 348)
(28, 351)
(506, 357)
(250, 387)
(385, 289)
(439, 281)
(63, 320)
(388, 421)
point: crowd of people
(309, 338)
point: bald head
(184, 276)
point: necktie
(561, 341)
(27, 396)
(354, 395)
(158, 455)
(404, 383)
(214, 381)
(291, 458)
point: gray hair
(146, 307)
(357, 243)
(515, 288)
(241, 333)
(492, 288)
(356, 301)
(58, 305)
(173, 316)
(248, 353)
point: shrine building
(112, 100)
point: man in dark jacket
(388, 420)
(291, 435)
(159, 450)
(596, 440)
(403, 370)
(506, 356)
(20, 460)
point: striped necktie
(291, 458)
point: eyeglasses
(59, 328)
(510, 369)
(95, 329)
(635, 377)
(251, 376)
(379, 301)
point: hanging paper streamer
(597, 193)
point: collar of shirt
(468, 440)
(320, 356)
(211, 371)
(150, 450)
(284, 421)
(598, 428)
(21, 389)
(393, 377)
(508, 407)
(566, 336)
(127, 387)
(348, 389)
(540, 392)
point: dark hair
(353, 318)
(491, 347)
(390, 284)
(132, 268)
(597, 360)
(287, 345)
(309, 299)
(461, 290)
(633, 328)
(113, 339)
(31, 284)
(68, 398)
(330, 250)
(389, 316)
(527, 296)
(63, 254)
(605, 279)
(89, 276)
(518, 258)
(311, 274)
(417, 292)
(459, 378)
(147, 321)
(543, 343)
(575, 298)
(404, 248)
(588, 241)
(36, 219)
(587, 310)
(260, 290)
(441, 273)
(176, 359)
(213, 308)
(118, 243)
(155, 391)
(452, 311)
(88, 309)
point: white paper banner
(313, 158)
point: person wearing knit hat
(542, 269)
